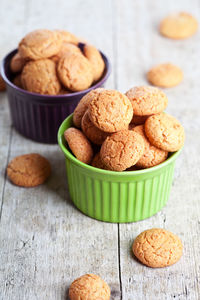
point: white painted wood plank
(141, 46)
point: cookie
(178, 26)
(17, 81)
(93, 133)
(122, 150)
(66, 48)
(110, 111)
(165, 75)
(97, 162)
(89, 287)
(83, 106)
(40, 77)
(79, 145)
(94, 56)
(39, 44)
(165, 132)
(147, 100)
(138, 120)
(67, 37)
(17, 63)
(75, 72)
(152, 155)
(29, 170)
(2, 84)
(157, 248)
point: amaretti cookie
(17, 63)
(122, 150)
(40, 77)
(65, 49)
(165, 132)
(29, 170)
(89, 287)
(79, 145)
(157, 248)
(165, 75)
(110, 111)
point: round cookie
(93, 133)
(110, 111)
(147, 100)
(75, 72)
(97, 162)
(67, 37)
(152, 155)
(83, 106)
(165, 132)
(39, 44)
(17, 81)
(165, 75)
(178, 26)
(157, 248)
(2, 84)
(79, 145)
(89, 287)
(94, 56)
(40, 77)
(122, 150)
(29, 170)
(17, 63)
(66, 48)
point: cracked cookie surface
(165, 132)
(157, 248)
(29, 170)
(122, 150)
(110, 111)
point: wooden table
(45, 241)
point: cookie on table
(93, 133)
(29, 170)
(165, 132)
(178, 26)
(110, 111)
(41, 43)
(66, 48)
(152, 155)
(157, 248)
(75, 72)
(79, 145)
(2, 84)
(67, 37)
(122, 150)
(147, 100)
(97, 162)
(83, 106)
(40, 77)
(94, 56)
(17, 63)
(165, 75)
(17, 81)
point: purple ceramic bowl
(36, 116)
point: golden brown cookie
(17, 81)
(122, 150)
(94, 56)
(29, 170)
(97, 162)
(165, 132)
(2, 84)
(165, 75)
(75, 72)
(83, 106)
(110, 111)
(147, 100)
(67, 37)
(93, 133)
(79, 145)
(138, 120)
(152, 155)
(157, 248)
(40, 77)
(39, 44)
(66, 48)
(89, 287)
(178, 26)
(17, 63)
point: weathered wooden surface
(45, 242)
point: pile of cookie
(124, 131)
(51, 63)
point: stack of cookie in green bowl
(120, 157)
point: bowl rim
(77, 162)
(64, 96)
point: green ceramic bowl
(119, 197)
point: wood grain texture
(45, 242)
